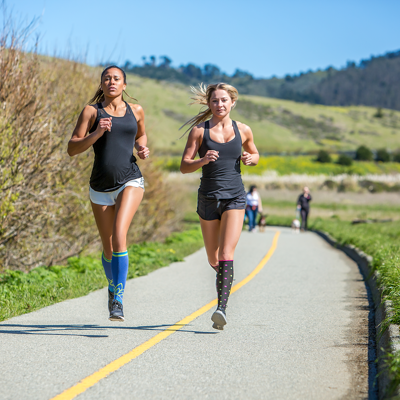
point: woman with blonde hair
(114, 128)
(221, 197)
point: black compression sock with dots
(225, 279)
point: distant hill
(278, 125)
(373, 82)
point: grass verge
(286, 165)
(21, 293)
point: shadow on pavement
(64, 330)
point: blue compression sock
(119, 268)
(107, 269)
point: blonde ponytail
(202, 96)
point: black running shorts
(210, 209)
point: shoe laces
(117, 304)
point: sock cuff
(105, 258)
(224, 260)
(120, 254)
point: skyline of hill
(371, 82)
(279, 126)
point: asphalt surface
(298, 330)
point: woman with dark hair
(221, 197)
(253, 206)
(113, 127)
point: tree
(166, 62)
(345, 160)
(153, 61)
(396, 157)
(211, 71)
(379, 113)
(323, 157)
(128, 65)
(192, 71)
(363, 153)
(241, 74)
(382, 155)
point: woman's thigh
(210, 231)
(127, 203)
(104, 217)
(231, 228)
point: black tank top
(114, 162)
(222, 179)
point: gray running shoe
(219, 319)
(110, 300)
(116, 313)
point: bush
(345, 160)
(329, 184)
(45, 213)
(363, 153)
(382, 155)
(396, 157)
(379, 113)
(374, 187)
(323, 157)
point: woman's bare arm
(80, 141)
(250, 155)
(141, 137)
(188, 163)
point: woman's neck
(113, 103)
(221, 122)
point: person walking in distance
(253, 206)
(304, 207)
(221, 196)
(114, 128)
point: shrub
(44, 209)
(382, 155)
(379, 113)
(329, 184)
(345, 160)
(374, 187)
(396, 157)
(323, 157)
(363, 153)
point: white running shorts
(109, 198)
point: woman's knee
(119, 242)
(226, 254)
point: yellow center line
(91, 380)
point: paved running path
(295, 331)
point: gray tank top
(222, 179)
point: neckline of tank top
(234, 130)
(113, 116)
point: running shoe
(116, 313)
(219, 319)
(110, 299)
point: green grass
(21, 293)
(286, 165)
(277, 125)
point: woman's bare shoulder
(137, 110)
(243, 127)
(89, 112)
(136, 107)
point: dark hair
(99, 95)
(252, 187)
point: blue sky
(259, 36)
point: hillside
(372, 82)
(278, 125)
